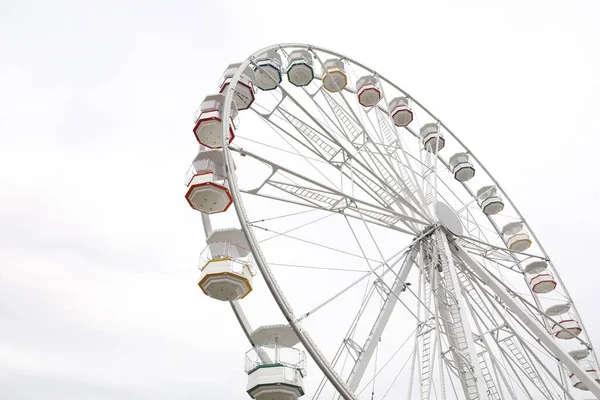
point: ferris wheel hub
(448, 218)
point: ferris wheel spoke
(316, 148)
(404, 152)
(386, 287)
(381, 321)
(372, 217)
(502, 253)
(281, 234)
(312, 139)
(402, 180)
(410, 336)
(494, 390)
(382, 164)
(332, 298)
(311, 193)
(387, 267)
(349, 335)
(287, 232)
(318, 268)
(294, 153)
(286, 215)
(394, 146)
(455, 319)
(348, 123)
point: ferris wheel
(357, 238)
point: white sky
(98, 248)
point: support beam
(382, 319)
(524, 316)
(472, 377)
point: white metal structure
(397, 279)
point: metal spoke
(321, 195)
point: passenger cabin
(431, 137)
(244, 90)
(400, 111)
(334, 75)
(542, 283)
(275, 368)
(268, 70)
(208, 127)
(517, 238)
(227, 274)
(590, 368)
(519, 241)
(461, 167)
(567, 327)
(368, 91)
(489, 200)
(300, 68)
(208, 190)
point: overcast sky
(98, 248)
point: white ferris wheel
(357, 238)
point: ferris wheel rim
(255, 246)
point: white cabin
(461, 167)
(566, 326)
(400, 111)
(244, 90)
(208, 191)
(268, 70)
(368, 91)
(431, 137)
(489, 200)
(275, 368)
(518, 239)
(227, 275)
(300, 68)
(208, 127)
(542, 283)
(590, 368)
(334, 75)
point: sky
(98, 248)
